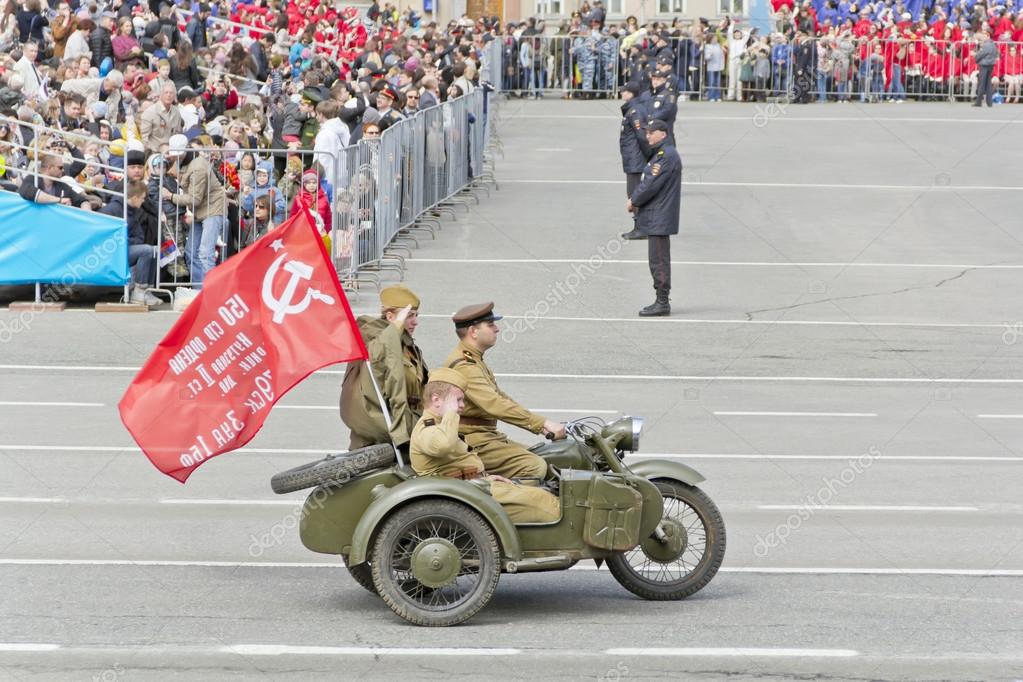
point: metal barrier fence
(370, 199)
(824, 69)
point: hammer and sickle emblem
(284, 306)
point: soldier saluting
(399, 368)
(657, 202)
(486, 404)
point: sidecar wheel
(436, 563)
(684, 565)
(362, 574)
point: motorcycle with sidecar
(434, 548)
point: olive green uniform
(401, 374)
(485, 405)
(437, 449)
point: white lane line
(757, 264)
(27, 646)
(553, 149)
(18, 403)
(733, 652)
(1000, 416)
(794, 414)
(644, 455)
(33, 500)
(866, 507)
(786, 185)
(615, 377)
(733, 322)
(768, 570)
(230, 502)
(281, 650)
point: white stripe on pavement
(1000, 416)
(27, 646)
(280, 650)
(779, 570)
(615, 377)
(865, 507)
(771, 264)
(229, 502)
(784, 185)
(33, 500)
(16, 403)
(732, 652)
(794, 414)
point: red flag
(264, 321)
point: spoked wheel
(361, 574)
(686, 559)
(436, 563)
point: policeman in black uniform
(665, 65)
(632, 144)
(662, 104)
(657, 202)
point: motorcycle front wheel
(690, 556)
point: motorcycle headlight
(628, 430)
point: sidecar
(434, 548)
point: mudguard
(432, 486)
(665, 468)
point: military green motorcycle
(434, 548)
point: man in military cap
(311, 125)
(486, 404)
(665, 65)
(656, 202)
(399, 370)
(385, 105)
(662, 103)
(632, 144)
(437, 449)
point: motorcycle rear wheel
(690, 569)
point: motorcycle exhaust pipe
(547, 563)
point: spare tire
(337, 469)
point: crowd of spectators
(818, 49)
(186, 101)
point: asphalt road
(845, 290)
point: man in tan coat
(438, 450)
(161, 120)
(486, 404)
(399, 369)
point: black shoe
(656, 309)
(633, 234)
(976, 104)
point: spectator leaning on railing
(49, 189)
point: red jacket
(316, 203)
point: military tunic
(437, 449)
(401, 374)
(485, 405)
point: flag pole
(387, 413)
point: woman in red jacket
(312, 196)
(1010, 68)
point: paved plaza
(844, 363)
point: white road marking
(733, 322)
(15, 403)
(281, 649)
(1000, 416)
(553, 149)
(779, 570)
(785, 185)
(642, 455)
(306, 407)
(236, 502)
(33, 500)
(27, 646)
(332, 407)
(865, 507)
(613, 377)
(732, 652)
(702, 263)
(794, 414)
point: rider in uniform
(399, 369)
(486, 404)
(437, 449)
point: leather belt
(465, 474)
(473, 421)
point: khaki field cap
(398, 296)
(449, 376)
(475, 314)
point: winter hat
(310, 173)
